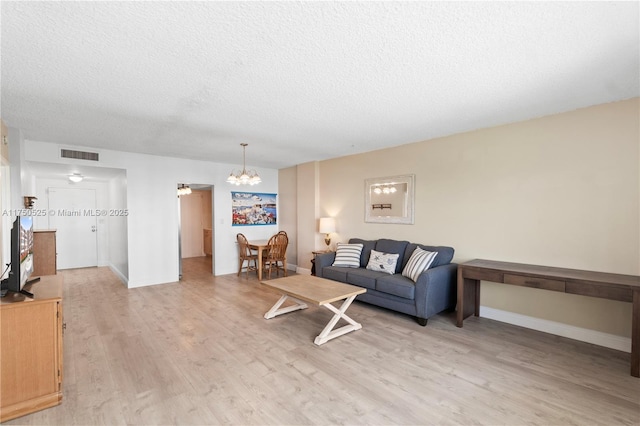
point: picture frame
(390, 199)
(253, 209)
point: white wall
(153, 217)
(118, 228)
(16, 157)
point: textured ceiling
(303, 81)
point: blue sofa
(433, 292)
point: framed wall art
(253, 209)
(389, 199)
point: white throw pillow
(419, 262)
(348, 255)
(383, 262)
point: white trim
(303, 271)
(116, 271)
(559, 329)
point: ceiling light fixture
(76, 177)
(183, 189)
(244, 177)
(386, 189)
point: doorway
(195, 230)
(72, 212)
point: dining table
(260, 246)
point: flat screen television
(21, 266)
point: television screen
(26, 249)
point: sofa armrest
(436, 290)
(323, 260)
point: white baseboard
(559, 329)
(303, 271)
(116, 271)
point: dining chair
(276, 254)
(245, 254)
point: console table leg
(635, 335)
(460, 297)
(476, 293)
(468, 298)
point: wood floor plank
(200, 352)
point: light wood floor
(200, 352)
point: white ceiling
(303, 81)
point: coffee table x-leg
(328, 333)
(321, 292)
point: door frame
(205, 186)
(92, 215)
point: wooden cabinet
(44, 253)
(31, 349)
(208, 240)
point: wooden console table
(625, 288)
(31, 349)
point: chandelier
(244, 177)
(184, 189)
(385, 189)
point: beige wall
(561, 190)
(308, 199)
(287, 210)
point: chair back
(278, 246)
(243, 246)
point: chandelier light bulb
(184, 189)
(386, 189)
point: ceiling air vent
(79, 155)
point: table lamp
(327, 226)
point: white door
(72, 213)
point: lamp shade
(327, 225)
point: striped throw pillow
(419, 262)
(348, 255)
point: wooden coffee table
(321, 292)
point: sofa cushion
(444, 257)
(394, 246)
(335, 273)
(363, 277)
(419, 262)
(367, 246)
(348, 255)
(397, 285)
(383, 262)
